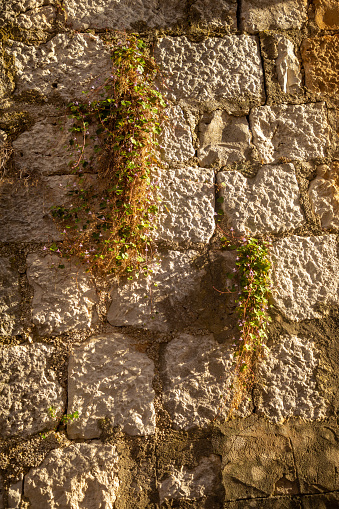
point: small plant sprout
(64, 419)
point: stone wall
(253, 89)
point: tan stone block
(327, 14)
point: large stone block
(324, 195)
(289, 387)
(290, 132)
(219, 14)
(327, 14)
(218, 68)
(287, 65)
(176, 142)
(305, 276)
(259, 15)
(79, 475)
(109, 378)
(28, 387)
(268, 203)
(197, 377)
(9, 298)
(27, 14)
(67, 65)
(64, 298)
(223, 139)
(186, 210)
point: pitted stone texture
(66, 65)
(305, 276)
(320, 59)
(28, 387)
(288, 67)
(196, 483)
(124, 14)
(218, 68)
(28, 14)
(175, 140)
(15, 494)
(153, 302)
(223, 138)
(327, 14)
(268, 203)
(186, 210)
(292, 132)
(25, 210)
(289, 384)
(77, 476)
(197, 375)
(259, 15)
(9, 298)
(109, 378)
(219, 14)
(324, 195)
(64, 298)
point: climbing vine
(110, 223)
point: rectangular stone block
(175, 140)
(288, 66)
(259, 15)
(324, 195)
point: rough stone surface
(220, 14)
(186, 209)
(65, 65)
(64, 298)
(191, 484)
(109, 378)
(258, 15)
(268, 203)
(2, 505)
(288, 67)
(28, 387)
(289, 383)
(197, 375)
(290, 132)
(327, 14)
(15, 494)
(9, 298)
(27, 14)
(77, 476)
(206, 71)
(324, 195)
(175, 140)
(305, 276)
(223, 139)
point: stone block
(287, 65)
(9, 298)
(186, 210)
(324, 195)
(290, 132)
(227, 68)
(267, 203)
(319, 56)
(305, 276)
(176, 142)
(327, 14)
(220, 14)
(223, 138)
(197, 377)
(259, 15)
(66, 65)
(28, 387)
(79, 475)
(27, 14)
(109, 378)
(15, 494)
(289, 387)
(194, 483)
(64, 298)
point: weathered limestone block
(28, 387)
(39, 19)
(327, 14)
(123, 14)
(305, 276)
(15, 494)
(109, 378)
(192, 484)
(220, 14)
(9, 298)
(223, 138)
(288, 67)
(175, 140)
(324, 195)
(67, 64)
(197, 376)
(265, 204)
(215, 69)
(64, 298)
(80, 475)
(28, 14)
(289, 385)
(292, 132)
(186, 210)
(319, 56)
(258, 15)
